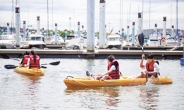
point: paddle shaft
(141, 42)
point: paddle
(52, 63)
(141, 42)
(4, 56)
(13, 66)
(7, 57)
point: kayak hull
(123, 81)
(27, 71)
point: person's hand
(146, 72)
(143, 56)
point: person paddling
(34, 60)
(152, 67)
(25, 59)
(113, 70)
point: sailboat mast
(47, 19)
(129, 14)
(120, 17)
(142, 13)
(177, 18)
(52, 14)
(12, 21)
(74, 20)
(122, 14)
(149, 16)
(171, 15)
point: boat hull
(115, 46)
(27, 71)
(40, 46)
(123, 81)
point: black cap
(164, 18)
(139, 15)
(17, 10)
(38, 18)
(102, 1)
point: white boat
(153, 40)
(51, 40)
(34, 40)
(171, 42)
(7, 41)
(81, 42)
(113, 40)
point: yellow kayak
(27, 71)
(123, 81)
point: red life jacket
(150, 67)
(33, 64)
(25, 59)
(114, 74)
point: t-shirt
(112, 68)
(156, 67)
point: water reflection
(90, 64)
(149, 95)
(30, 90)
(112, 94)
(32, 78)
(95, 97)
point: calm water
(20, 92)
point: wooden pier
(99, 53)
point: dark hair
(34, 54)
(150, 55)
(111, 58)
(26, 53)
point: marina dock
(99, 53)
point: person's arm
(22, 61)
(110, 70)
(156, 68)
(28, 61)
(141, 63)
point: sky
(119, 13)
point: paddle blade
(4, 56)
(55, 63)
(10, 66)
(43, 67)
(141, 39)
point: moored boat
(123, 81)
(113, 40)
(27, 71)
